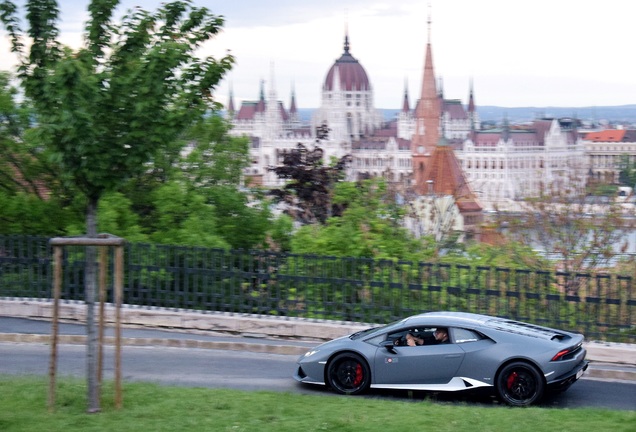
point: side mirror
(389, 346)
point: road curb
(607, 360)
(597, 369)
(159, 342)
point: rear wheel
(348, 373)
(519, 384)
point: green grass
(150, 407)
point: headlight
(310, 353)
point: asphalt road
(259, 371)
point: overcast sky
(534, 53)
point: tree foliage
(216, 158)
(507, 254)
(369, 227)
(132, 89)
(308, 191)
(33, 199)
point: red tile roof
(609, 135)
(248, 110)
(455, 109)
(448, 178)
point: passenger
(441, 335)
(412, 340)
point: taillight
(560, 354)
(571, 351)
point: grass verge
(150, 407)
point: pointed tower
(427, 121)
(230, 105)
(273, 113)
(473, 117)
(293, 111)
(260, 105)
(405, 123)
(406, 108)
(437, 172)
(471, 99)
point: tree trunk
(90, 286)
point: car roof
(450, 319)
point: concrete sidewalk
(264, 334)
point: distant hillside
(622, 113)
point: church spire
(427, 119)
(262, 91)
(346, 42)
(471, 99)
(472, 111)
(428, 23)
(429, 87)
(272, 83)
(260, 106)
(292, 105)
(230, 103)
(405, 104)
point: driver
(440, 336)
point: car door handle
(449, 356)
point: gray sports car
(450, 351)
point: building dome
(353, 77)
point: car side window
(412, 336)
(462, 335)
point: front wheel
(348, 373)
(519, 384)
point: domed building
(346, 109)
(347, 101)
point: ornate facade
(378, 147)
(508, 164)
(495, 167)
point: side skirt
(455, 384)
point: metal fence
(602, 306)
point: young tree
(582, 233)
(108, 107)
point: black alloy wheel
(348, 373)
(519, 384)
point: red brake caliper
(359, 375)
(511, 380)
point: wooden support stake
(103, 266)
(57, 283)
(118, 288)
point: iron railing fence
(602, 306)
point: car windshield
(372, 330)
